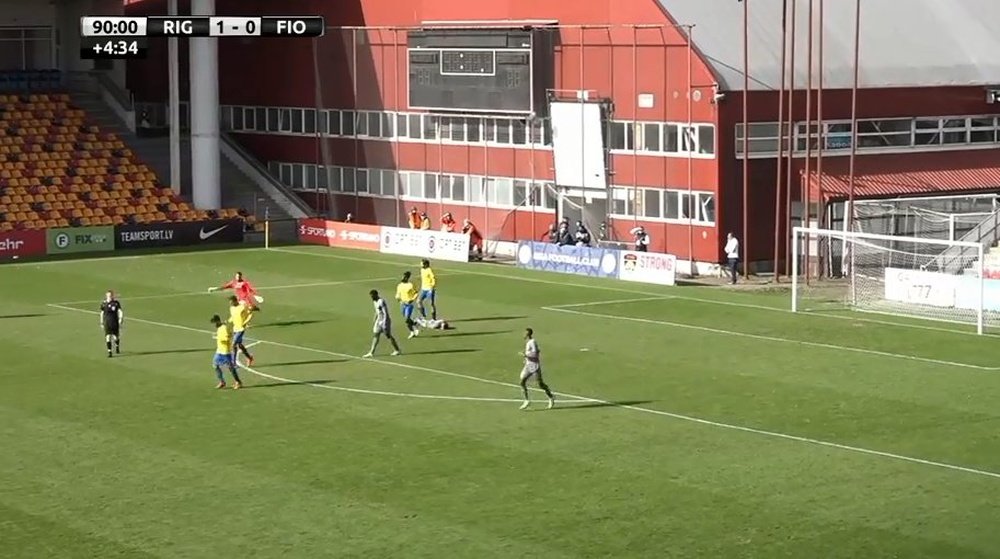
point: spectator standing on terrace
(414, 218)
(349, 218)
(425, 222)
(641, 239)
(733, 255)
(448, 223)
(582, 235)
(552, 235)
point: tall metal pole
(692, 206)
(746, 138)
(821, 146)
(395, 140)
(354, 125)
(635, 111)
(174, 104)
(805, 195)
(791, 141)
(854, 114)
(781, 137)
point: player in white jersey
(533, 368)
(382, 326)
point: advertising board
(920, 288)
(316, 231)
(421, 243)
(647, 267)
(72, 240)
(583, 261)
(153, 235)
(17, 244)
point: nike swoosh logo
(206, 234)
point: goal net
(932, 279)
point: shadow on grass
(32, 315)
(439, 351)
(286, 323)
(291, 383)
(165, 352)
(583, 405)
(453, 334)
(488, 318)
(294, 363)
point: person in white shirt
(533, 368)
(733, 255)
(641, 239)
(382, 326)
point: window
(652, 205)
(309, 121)
(249, 119)
(430, 186)
(706, 139)
(388, 122)
(521, 193)
(375, 125)
(295, 121)
(323, 177)
(473, 130)
(361, 124)
(671, 144)
(389, 181)
(689, 139)
(430, 127)
(309, 181)
(500, 192)
(361, 181)
(297, 176)
(707, 207)
(347, 127)
(334, 119)
(350, 179)
(686, 205)
(458, 188)
(503, 131)
(457, 129)
(475, 192)
(402, 128)
(374, 182)
(272, 120)
(620, 137)
(336, 179)
(416, 127)
(982, 130)
(650, 136)
(285, 174)
(536, 133)
(884, 133)
(519, 132)
(285, 120)
(621, 202)
(414, 185)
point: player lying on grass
(533, 368)
(240, 317)
(243, 290)
(383, 325)
(428, 289)
(406, 294)
(224, 353)
(112, 318)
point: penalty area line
(650, 411)
(761, 337)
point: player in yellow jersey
(240, 316)
(406, 294)
(428, 289)
(223, 353)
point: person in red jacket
(475, 239)
(448, 223)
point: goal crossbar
(915, 289)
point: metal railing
(954, 259)
(260, 168)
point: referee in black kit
(112, 318)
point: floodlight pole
(746, 138)
(791, 138)
(781, 138)
(174, 105)
(804, 183)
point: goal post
(930, 279)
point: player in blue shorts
(223, 353)
(406, 294)
(428, 289)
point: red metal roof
(880, 176)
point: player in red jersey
(243, 290)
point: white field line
(968, 332)
(125, 297)
(613, 302)
(776, 339)
(677, 416)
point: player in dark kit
(112, 318)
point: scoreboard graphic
(126, 37)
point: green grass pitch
(692, 422)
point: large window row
(663, 138)
(663, 204)
(883, 135)
(417, 185)
(646, 137)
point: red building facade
(330, 118)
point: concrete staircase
(238, 191)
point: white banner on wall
(434, 245)
(647, 267)
(920, 288)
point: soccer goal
(931, 279)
